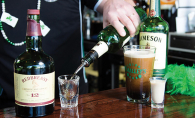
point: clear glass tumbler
(68, 90)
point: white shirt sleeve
(96, 5)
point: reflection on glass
(157, 113)
(69, 112)
(50, 0)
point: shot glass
(68, 90)
(157, 112)
(69, 112)
(157, 91)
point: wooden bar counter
(113, 104)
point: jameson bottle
(34, 74)
(154, 32)
(109, 41)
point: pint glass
(139, 63)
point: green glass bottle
(110, 40)
(34, 74)
(142, 4)
(154, 32)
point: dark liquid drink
(138, 70)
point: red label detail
(34, 78)
(35, 95)
(33, 28)
(35, 104)
(152, 12)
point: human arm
(116, 12)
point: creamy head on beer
(139, 54)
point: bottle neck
(142, 14)
(34, 43)
(33, 33)
(155, 8)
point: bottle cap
(33, 11)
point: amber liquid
(138, 71)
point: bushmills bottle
(154, 32)
(110, 40)
(34, 74)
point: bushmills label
(126, 40)
(101, 47)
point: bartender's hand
(116, 12)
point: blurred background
(107, 72)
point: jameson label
(34, 90)
(159, 41)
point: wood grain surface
(113, 104)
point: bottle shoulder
(155, 20)
(34, 59)
(152, 24)
(110, 34)
(107, 34)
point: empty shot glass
(68, 90)
(157, 91)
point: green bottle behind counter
(110, 40)
(154, 32)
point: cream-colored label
(159, 41)
(152, 6)
(152, 9)
(126, 40)
(34, 90)
(101, 47)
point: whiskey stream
(67, 95)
